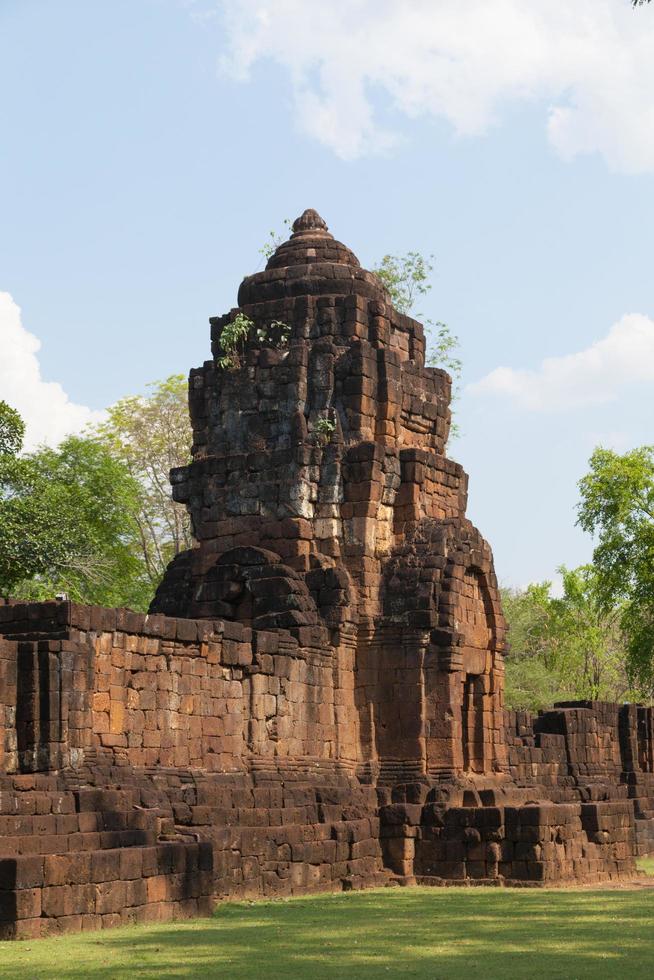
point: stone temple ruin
(315, 700)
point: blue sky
(148, 146)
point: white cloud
(593, 376)
(44, 405)
(589, 64)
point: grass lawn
(646, 865)
(417, 932)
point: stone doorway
(472, 723)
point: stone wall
(162, 731)
(8, 700)
(588, 750)
(511, 845)
(73, 859)
(177, 693)
(578, 804)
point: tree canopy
(94, 518)
(565, 647)
(149, 435)
(12, 430)
(66, 525)
(617, 506)
(406, 277)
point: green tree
(617, 506)
(588, 643)
(531, 682)
(563, 648)
(12, 430)
(529, 685)
(66, 525)
(407, 278)
(149, 436)
(527, 613)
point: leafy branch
(325, 427)
(407, 277)
(232, 341)
(273, 241)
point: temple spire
(309, 220)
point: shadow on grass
(410, 933)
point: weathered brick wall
(429, 837)
(210, 704)
(440, 596)
(545, 843)
(542, 760)
(288, 833)
(275, 822)
(591, 751)
(156, 691)
(112, 844)
(579, 804)
(574, 743)
(168, 702)
(8, 675)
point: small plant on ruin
(274, 240)
(277, 334)
(325, 428)
(232, 341)
(407, 278)
(236, 332)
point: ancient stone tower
(322, 500)
(314, 701)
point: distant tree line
(596, 640)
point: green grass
(417, 932)
(646, 865)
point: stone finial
(309, 220)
